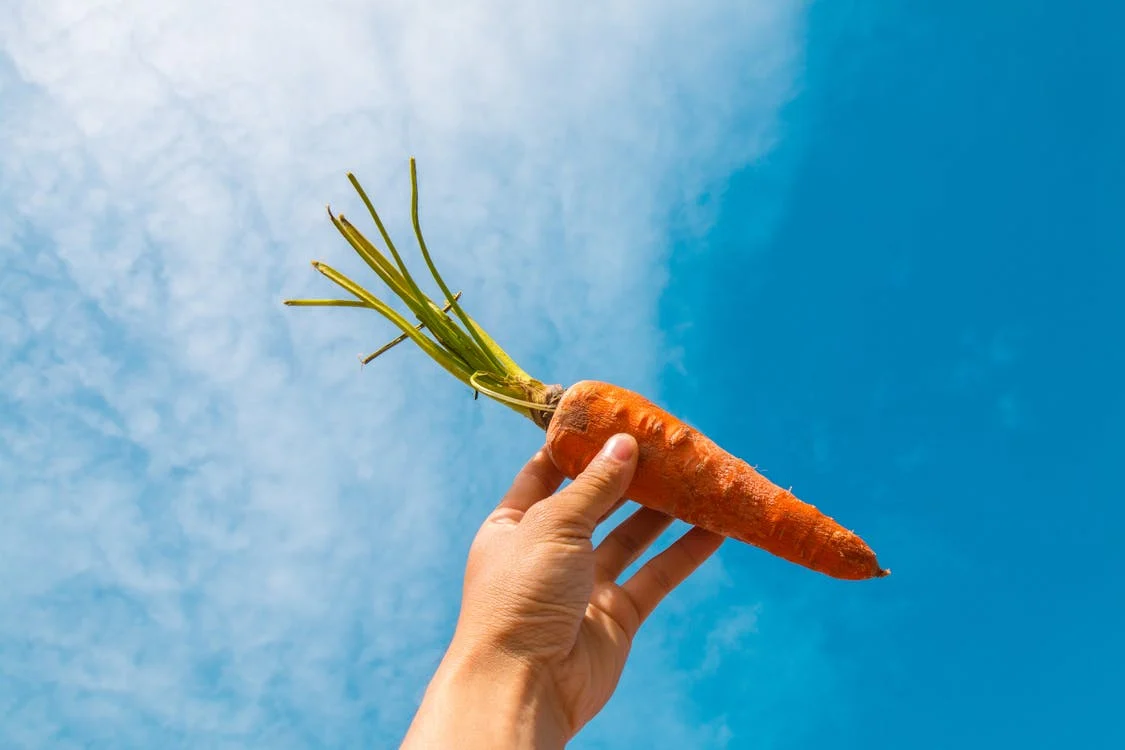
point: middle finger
(628, 541)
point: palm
(587, 676)
(560, 606)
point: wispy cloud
(216, 529)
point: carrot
(679, 471)
(686, 475)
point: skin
(545, 627)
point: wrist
(485, 698)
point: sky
(876, 251)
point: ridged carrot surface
(683, 473)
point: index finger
(538, 479)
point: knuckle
(556, 521)
(627, 539)
(596, 482)
(662, 579)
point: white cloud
(216, 528)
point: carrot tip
(884, 573)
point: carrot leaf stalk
(456, 342)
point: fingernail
(619, 448)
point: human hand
(545, 629)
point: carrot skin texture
(685, 474)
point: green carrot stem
(494, 360)
(421, 305)
(438, 324)
(326, 303)
(447, 359)
(459, 345)
(398, 339)
(444, 328)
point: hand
(544, 628)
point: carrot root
(686, 475)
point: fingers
(603, 483)
(628, 541)
(660, 575)
(538, 478)
(612, 509)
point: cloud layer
(217, 529)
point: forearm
(486, 701)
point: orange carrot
(680, 471)
(686, 475)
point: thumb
(602, 483)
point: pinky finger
(663, 573)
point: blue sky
(928, 340)
(875, 251)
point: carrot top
(456, 342)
